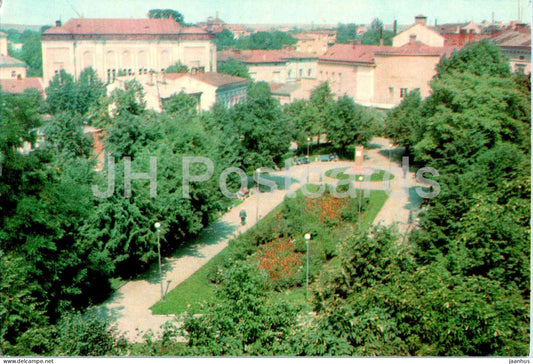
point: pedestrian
(243, 217)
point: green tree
(346, 33)
(376, 33)
(225, 39)
(233, 67)
(351, 124)
(166, 14)
(178, 67)
(265, 40)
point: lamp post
(157, 226)
(258, 171)
(360, 198)
(308, 141)
(307, 238)
(390, 150)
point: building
(274, 66)
(315, 42)
(18, 86)
(207, 88)
(422, 32)
(10, 68)
(126, 46)
(516, 46)
(292, 91)
(216, 25)
(380, 76)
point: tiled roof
(262, 55)
(7, 61)
(415, 49)
(16, 86)
(352, 53)
(123, 26)
(219, 79)
(513, 39)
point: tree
(265, 40)
(166, 14)
(347, 33)
(376, 33)
(350, 124)
(233, 67)
(178, 67)
(225, 39)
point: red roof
(219, 79)
(262, 55)
(123, 26)
(415, 49)
(16, 86)
(352, 53)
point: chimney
(420, 19)
(435, 22)
(412, 38)
(58, 23)
(395, 27)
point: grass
(197, 290)
(338, 173)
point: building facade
(315, 42)
(207, 88)
(124, 46)
(422, 33)
(380, 76)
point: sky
(45, 12)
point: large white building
(125, 46)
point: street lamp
(307, 239)
(258, 171)
(308, 141)
(157, 226)
(390, 150)
(360, 198)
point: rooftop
(16, 86)
(123, 26)
(352, 53)
(211, 78)
(7, 61)
(513, 38)
(262, 55)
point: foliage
(225, 39)
(64, 94)
(167, 14)
(31, 52)
(181, 103)
(233, 67)
(376, 34)
(346, 33)
(178, 67)
(265, 40)
(87, 335)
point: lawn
(377, 176)
(198, 289)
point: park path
(129, 306)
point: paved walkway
(129, 307)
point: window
(309, 72)
(521, 57)
(301, 72)
(403, 92)
(13, 73)
(391, 91)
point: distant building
(216, 25)
(315, 42)
(10, 68)
(461, 34)
(380, 76)
(130, 46)
(274, 66)
(516, 46)
(422, 33)
(206, 88)
(292, 91)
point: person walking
(242, 214)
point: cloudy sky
(40, 12)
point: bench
(324, 157)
